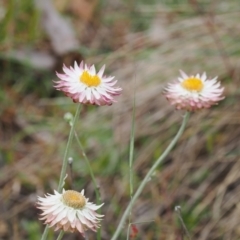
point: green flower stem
(60, 235)
(65, 158)
(89, 168)
(149, 174)
(131, 152)
(96, 188)
(65, 163)
(45, 233)
(178, 210)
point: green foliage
(20, 23)
(32, 229)
(192, 217)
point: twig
(178, 211)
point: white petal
(184, 75)
(71, 214)
(101, 71)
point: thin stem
(131, 152)
(96, 188)
(128, 231)
(150, 172)
(70, 160)
(45, 233)
(89, 168)
(65, 158)
(65, 163)
(60, 235)
(178, 210)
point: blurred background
(144, 44)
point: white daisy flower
(84, 85)
(69, 211)
(192, 93)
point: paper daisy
(84, 85)
(69, 211)
(192, 93)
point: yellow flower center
(74, 199)
(89, 80)
(192, 84)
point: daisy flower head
(83, 84)
(192, 93)
(69, 211)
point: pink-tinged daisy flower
(84, 85)
(69, 211)
(192, 93)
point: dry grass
(201, 174)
